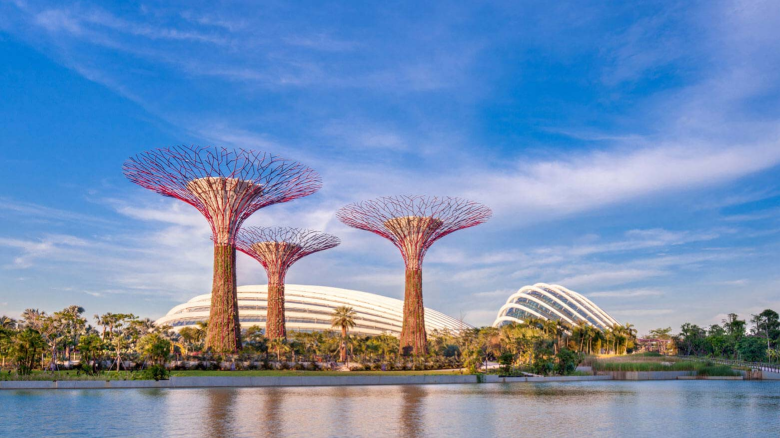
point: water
(635, 409)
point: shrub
(154, 372)
(567, 361)
(505, 360)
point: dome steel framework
(552, 302)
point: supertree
(413, 224)
(226, 186)
(277, 249)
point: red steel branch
(226, 186)
(413, 224)
(277, 249)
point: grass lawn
(128, 375)
(275, 373)
(67, 375)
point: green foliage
(731, 339)
(543, 358)
(600, 365)
(27, 346)
(717, 370)
(90, 346)
(155, 348)
(505, 360)
(154, 372)
(752, 349)
(567, 361)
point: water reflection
(272, 413)
(637, 409)
(219, 412)
(412, 411)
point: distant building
(310, 308)
(551, 301)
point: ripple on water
(637, 409)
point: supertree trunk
(274, 323)
(224, 330)
(413, 330)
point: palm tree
(280, 344)
(33, 318)
(344, 317)
(630, 333)
(7, 323)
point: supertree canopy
(413, 223)
(226, 186)
(277, 249)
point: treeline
(732, 339)
(65, 339)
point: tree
(751, 349)
(27, 344)
(767, 323)
(630, 332)
(121, 333)
(663, 334)
(344, 318)
(566, 362)
(90, 346)
(155, 347)
(734, 326)
(7, 323)
(33, 318)
(6, 342)
(280, 345)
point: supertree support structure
(413, 224)
(226, 186)
(277, 249)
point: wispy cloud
(626, 293)
(642, 312)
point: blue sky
(629, 151)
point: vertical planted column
(226, 332)
(226, 186)
(275, 253)
(413, 330)
(277, 249)
(413, 224)
(222, 199)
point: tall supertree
(226, 186)
(277, 249)
(413, 223)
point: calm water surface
(636, 409)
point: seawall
(285, 381)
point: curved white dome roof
(310, 308)
(551, 301)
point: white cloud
(608, 278)
(642, 312)
(626, 293)
(597, 179)
(495, 293)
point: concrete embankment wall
(498, 379)
(279, 381)
(646, 375)
(766, 375)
